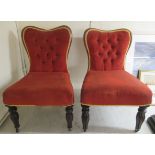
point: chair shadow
(44, 120)
(109, 130)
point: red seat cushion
(115, 87)
(41, 88)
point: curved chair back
(47, 49)
(107, 49)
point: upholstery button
(104, 61)
(117, 53)
(51, 48)
(48, 55)
(38, 56)
(100, 54)
(57, 54)
(53, 62)
(118, 39)
(41, 47)
(112, 46)
(43, 62)
(103, 47)
(109, 53)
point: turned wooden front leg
(140, 117)
(69, 116)
(85, 117)
(14, 116)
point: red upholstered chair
(106, 82)
(47, 82)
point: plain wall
(137, 28)
(10, 59)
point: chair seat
(115, 87)
(41, 88)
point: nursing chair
(47, 82)
(106, 82)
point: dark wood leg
(14, 117)
(85, 117)
(140, 117)
(151, 122)
(69, 117)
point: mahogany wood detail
(151, 123)
(14, 116)
(85, 117)
(140, 117)
(69, 117)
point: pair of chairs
(48, 83)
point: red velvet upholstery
(41, 88)
(107, 50)
(106, 82)
(47, 49)
(115, 87)
(48, 81)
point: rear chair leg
(85, 117)
(14, 117)
(140, 117)
(69, 117)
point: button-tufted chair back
(47, 49)
(107, 49)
